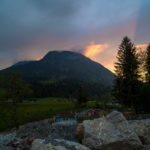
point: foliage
(65, 88)
(82, 95)
(145, 86)
(144, 97)
(147, 64)
(13, 87)
(126, 69)
(142, 65)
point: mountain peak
(61, 53)
(58, 65)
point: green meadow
(33, 111)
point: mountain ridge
(63, 65)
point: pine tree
(126, 71)
(145, 94)
(147, 65)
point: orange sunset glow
(94, 49)
(141, 47)
(38, 58)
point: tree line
(132, 77)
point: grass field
(41, 109)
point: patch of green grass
(33, 111)
(41, 109)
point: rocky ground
(112, 132)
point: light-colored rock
(142, 129)
(38, 144)
(110, 133)
(70, 145)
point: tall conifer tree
(126, 71)
(148, 64)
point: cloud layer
(31, 28)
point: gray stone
(70, 145)
(146, 147)
(110, 133)
(6, 138)
(57, 144)
(63, 130)
(6, 148)
(142, 129)
(40, 129)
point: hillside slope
(60, 65)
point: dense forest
(66, 88)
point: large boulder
(63, 130)
(142, 129)
(39, 129)
(110, 133)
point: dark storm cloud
(22, 22)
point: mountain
(60, 65)
(22, 63)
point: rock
(60, 148)
(19, 144)
(110, 133)
(146, 147)
(58, 144)
(40, 129)
(6, 148)
(69, 145)
(80, 132)
(142, 129)
(38, 144)
(5, 139)
(63, 130)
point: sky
(31, 28)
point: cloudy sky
(95, 28)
